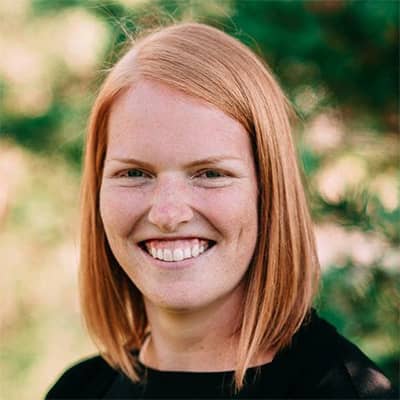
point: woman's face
(178, 197)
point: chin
(180, 303)
(188, 299)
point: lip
(172, 265)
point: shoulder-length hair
(204, 62)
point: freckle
(240, 235)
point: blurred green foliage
(338, 62)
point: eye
(134, 173)
(211, 174)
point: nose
(170, 206)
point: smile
(176, 250)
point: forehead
(154, 120)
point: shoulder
(333, 367)
(88, 378)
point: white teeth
(195, 250)
(167, 255)
(187, 253)
(177, 254)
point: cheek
(119, 210)
(233, 211)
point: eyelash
(220, 173)
(125, 174)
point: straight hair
(282, 278)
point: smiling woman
(198, 262)
(173, 208)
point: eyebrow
(203, 161)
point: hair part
(282, 279)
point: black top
(320, 363)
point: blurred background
(337, 61)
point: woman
(198, 261)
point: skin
(192, 307)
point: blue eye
(212, 174)
(134, 173)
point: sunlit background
(338, 63)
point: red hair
(203, 62)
